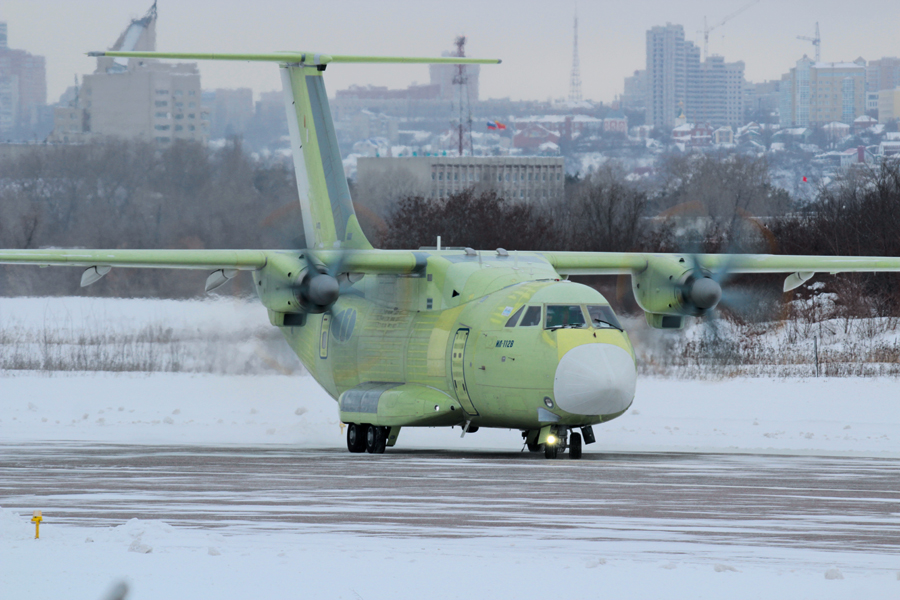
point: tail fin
(328, 216)
(329, 220)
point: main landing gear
(367, 438)
(557, 440)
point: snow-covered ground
(160, 561)
(833, 417)
(216, 335)
(845, 416)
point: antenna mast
(816, 41)
(575, 78)
(461, 85)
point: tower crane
(816, 41)
(707, 29)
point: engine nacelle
(295, 284)
(670, 288)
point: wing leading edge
(612, 263)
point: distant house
(615, 122)
(723, 135)
(863, 122)
(693, 135)
(836, 129)
(796, 134)
(533, 136)
(642, 131)
(855, 156)
(567, 126)
(889, 148)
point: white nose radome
(595, 379)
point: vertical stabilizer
(329, 220)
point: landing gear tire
(551, 450)
(376, 439)
(356, 438)
(575, 446)
(534, 447)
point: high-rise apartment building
(666, 74)
(888, 105)
(635, 94)
(23, 86)
(677, 82)
(716, 93)
(814, 94)
(883, 74)
(136, 98)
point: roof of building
(837, 65)
(558, 119)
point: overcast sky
(534, 38)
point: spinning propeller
(319, 286)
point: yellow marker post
(36, 519)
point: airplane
(444, 337)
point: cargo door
(458, 371)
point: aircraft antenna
(461, 99)
(816, 41)
(575, 77)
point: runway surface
(814, 503)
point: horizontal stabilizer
(302, 58)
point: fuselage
(492, 340)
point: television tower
(575, 78)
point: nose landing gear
(553, 441)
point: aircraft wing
(241, 260)
(224, 264)
(612, 263)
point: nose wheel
(575, 446)
(556, 443)
(551, 450)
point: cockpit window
(564, 316)
(515, 317)
(603, 317)
(532, 317)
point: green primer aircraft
(444, 337)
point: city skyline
(534, 44)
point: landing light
(552, 439)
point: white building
(516, 178)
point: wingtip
(499, 61)
(96, 54)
